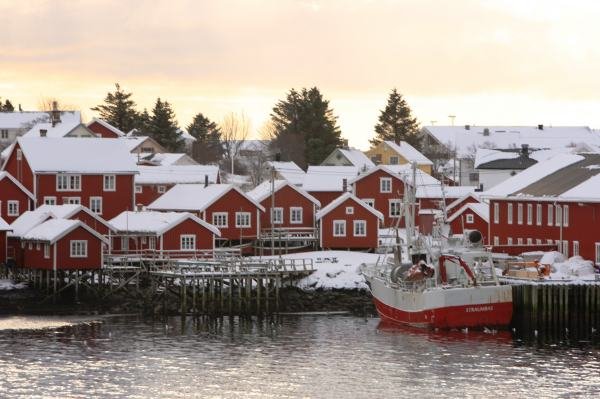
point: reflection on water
(307, 356)
(41, 322)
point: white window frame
(125, 243)
(138, 189)
(470, 219)
(529, 214)
(220, 219)
(575, 248)
(50, 200)
(565, 216)
(519, 241)
(395, 158)
(19, 154)
(161, 189)
(79, 248)
(152, 242)
(496, 212)
(247, 216)
(565, 248)
(597, 252)
(277, 215)
(369, 201)
(187, 242)
(549, 241)
(394, 203)
(385, 184)
(12, 208)
(558, 215)
(356, 226)
(496, 240)
(509, 241)
(550, 215)
(519, 213)
(109, 182)
(349, 210)
(37, 246)
(509, 213)
(46, 251)
(296, 215)
(529, 241)
(342, 228)
(97, 211)
(68, 182)
(72, 200)
(539, 211)
(538, 241)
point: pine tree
(207, 148)
(142, 122)
(163, 127)
(396, 123)
(305, 128)
(118, 110)
(8, 107)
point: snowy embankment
(573, 269)
(334, 269)
(8, 285)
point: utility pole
(272, 209)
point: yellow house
(392, 153)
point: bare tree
(234, 132)
(47, 104)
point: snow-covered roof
(328, 178)
(289, 171)
(480, 208)
(54, 229)
(457, 201)
(449, 191)
(512, 137)
(133, 142)
(67, 211)
(485, 155)
(27, 221)
(168, 158)
(532, 174)
(408, 152)
(174, 174)
(195, 197)
(421, 178)
(77, 155)
(155, 222)
(107, 125)
(357, 157)
(186, 136)
(6, 175)
(4, 226)
(263, 191)
(339, 200)
(26, 119)
(59, 130)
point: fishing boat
(439, 283)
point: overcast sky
(487, 62)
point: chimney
(43, 132)
(20, 109)
(205, 180)
(525, 150)
(345, 144)
(467, 127)
(344, 185)
(55, 114)
(540, 127)
(139, 207)
(486, 131)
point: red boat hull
(497, 314)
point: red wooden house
(234, 213)
(97, 173)
(471, 216)
(79, 212)
(470, 198)
(104, 129)
(294, 207)
(4, 228)
(61, 244)
(175, 233)
(19, 228)
(154, 181)
(326, 183)
(14, 198)
(349, 223)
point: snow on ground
(574, 268)
(334, 269)
(7, 285)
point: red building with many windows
(97, 173)
(349, 223)
(15, 199)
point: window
(530, 241)
(242, 219)
(50, 200)
(68, 182)
(575, 248)
(37, 246)
(558, 219)
(395, 208)
(46, 251)
(385, 184)
(125, 243)
(539, 215)
(565, 248)
(110, 183)
(277, 215)
(597, 258)
(4, 133)
(519, 241)
(549, 241)
(96, 205)
(538, 241)
(12, 208)
(470, 218)
(360, 228)
(496, 240)
(148, 150)
(161, 189)
(187, 242)
(530, 214)
(78, 249)
(143, 239)
(394, 160)
(138, 189)
(509, 213)
(296, 215)
(349, 210)
(550, 215)
(496, 212)
(339, 228)
(509, 241)
(558, 244)
(19, 154)
(219, 219)
(152, 242)
(29, 245)
(72, 200)
(565, 215)
(369, 201)
(519, 213)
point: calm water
(295, 356)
